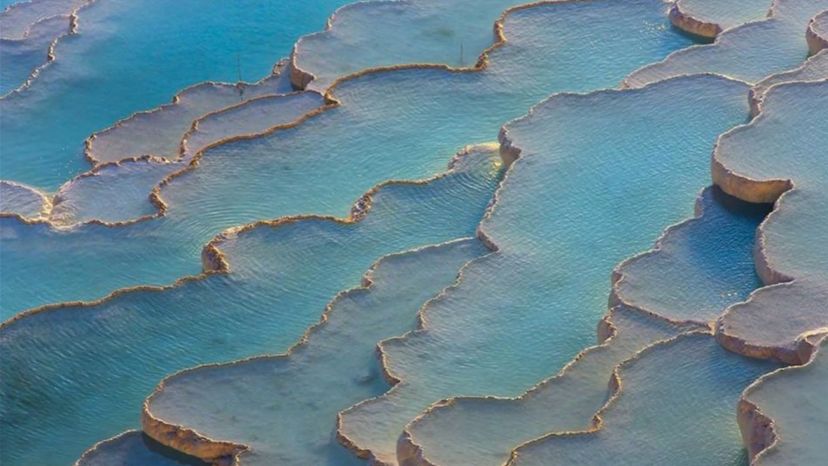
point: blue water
(748, 52)
(331, 371)
(795, 399)
(701, 267)
(131, 56)
(20, 57)
(726, 14)
(552, 271)
(600, 176)
(324, 165)
(81, 374)
(787, 141)
(688, 386)
(135, 449)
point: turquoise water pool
(154, 221)
(132, 56)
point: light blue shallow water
(748, 52)
(786, 141)
(614, 183)
(79, 375)
(19, 57)
(452, 32)
(795, 399)
(726, 14)
(700, 268)
(679, 396)
(369, 140)
(76, 375)
(284, 407)
(135, 449)
(326, 163)
(131, 56)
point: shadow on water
(167, 452)
(699, 40)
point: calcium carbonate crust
(760, 191)
(72, 18)
(616, 389)
(188, 440)
(214, 260)
(759, 433)
(409, 451)
(817, 33)
(640, 77)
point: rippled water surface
(311, 232)
(280, 280)
(321, 167)
(130, 56)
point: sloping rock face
(540, 147)
(466, 380)
(708, 18)
(783, 416)
(780, 156)
(749, 52)
(817, 33)
(689, 384)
